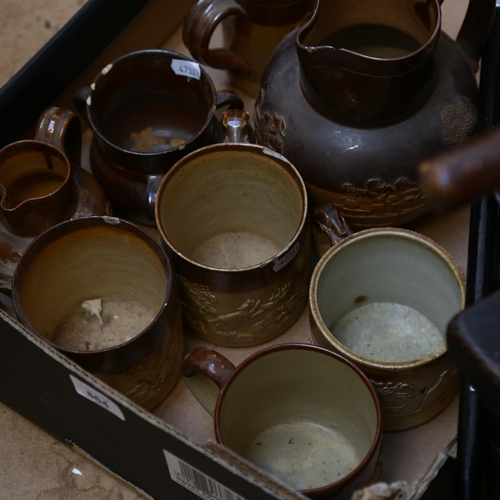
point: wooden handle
(464, 174)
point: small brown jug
(362, 93)
(42, 184)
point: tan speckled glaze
(234, 221)
(301, 413)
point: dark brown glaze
(126, 161)
(72, 191)
(357, 126)
(206, 15)
(209, 363)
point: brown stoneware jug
(42, 184)
(147, 110)
(361, 93)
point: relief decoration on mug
(404, 398)
(155, 374)
(379, 198)
(459, 120)
(269, 129)
(260, 316)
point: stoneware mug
(383, 298)
(302, 413)
(251, 31)
(148, 109)
(100, 290)
(233, 218)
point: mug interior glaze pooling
(230, 208)
(137, 104)
(99, 262)
(302, 416)
(388, 298)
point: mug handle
(228, 98)
(205, 372)
(200, 24)
(61, 128)
(332, 223)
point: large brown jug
(363, 92)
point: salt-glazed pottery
(251, 31)
(148, 109)
(383, 298)
(42, 184)
(302, 413)
(100, 290)
(233, 218)
(361, 93)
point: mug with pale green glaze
(383, 298)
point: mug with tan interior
(301, 413)
(100, 290)
(233, 218)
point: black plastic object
(476, 445)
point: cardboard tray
(171, 453)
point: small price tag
(189, 69)
(96, 397)
(280, 263)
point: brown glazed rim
(139, 53)
(41, 147)
(254, 149)
(375, 66)
(370, 233)
(72, 225)
(321, 350)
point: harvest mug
(251, 31)
(233, 218)
(383, 298)
(302, 413)
(148, 109)
(42, 184)
(100, 290)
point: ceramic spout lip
(314, 53)
(34, 214)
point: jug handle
(332, 223)
(475, 29)
(205, 372)
(199, 26)
(228, 98)
(61, 128)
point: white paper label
(197, 482)
(96, 397)
(190, 69)
(280, 263)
